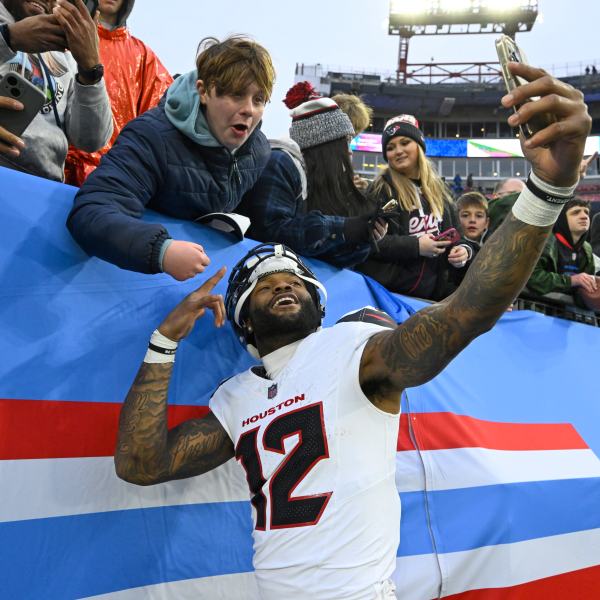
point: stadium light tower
(452, 17)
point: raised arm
(147, 451)
(420, 348)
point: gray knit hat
(315, 119)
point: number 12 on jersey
(306, 422)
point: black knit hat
(402, 125)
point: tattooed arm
(420, 348)
(147, 452)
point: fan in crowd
(595, 234)
(567, 263)
(76, 110)
(360, 116)
(196, 153)
(410, 260)
(135, 81)
(504, 196)
(306, 197)
(472, 209)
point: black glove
(358, 229)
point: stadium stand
(462, 117)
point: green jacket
(546, 278)
(498, 209)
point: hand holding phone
(430, 247)
(450, 235)
(9, 142)
(40, 33)
(20, 102)
(80, 31)
(508, 51)
(91, 5)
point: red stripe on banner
(576, 585)
(443, 430)
(59, 429)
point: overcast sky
(351, 34)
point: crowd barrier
(497, 463)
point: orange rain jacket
(135, 81)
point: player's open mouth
(285, 300)
(240, 127)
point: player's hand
(458, 256)
(585, 163)
(556, 151)
(180, 321)
(585, 281)
(81, 32)
(39, 33)
(184, 260)
(10, 144)
(431, 248)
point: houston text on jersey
(272, 410)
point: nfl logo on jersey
(272, 392)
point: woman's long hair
(331, 188)
(432, 187)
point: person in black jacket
(198, 152)
(410, 260)
(595, 234)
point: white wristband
(161, 349)
(552, 189)
(532, 210)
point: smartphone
(450, 235)
(14, 85)
(508, 51)
(91, 5)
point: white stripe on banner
(240, 586)
(60, 487)
(72, 486)
(472, 467)
(498, 566)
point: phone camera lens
(16, 92)
(11, 80)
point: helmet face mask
(261, 261)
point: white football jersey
(320, 463)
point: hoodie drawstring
(48, 85)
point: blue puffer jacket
(166, 160)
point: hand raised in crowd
(81, 32)
(184, 260)
(39, 33)
(588, 282)
(458, 256)
(360, 183)
(556, 151)
(431, 248)
(585, 163)
(181, 320)
(10, 144)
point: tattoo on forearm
(428, 341)
(147, 452)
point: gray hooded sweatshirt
(122, 16)
(83, 111)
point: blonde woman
(410, 259)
